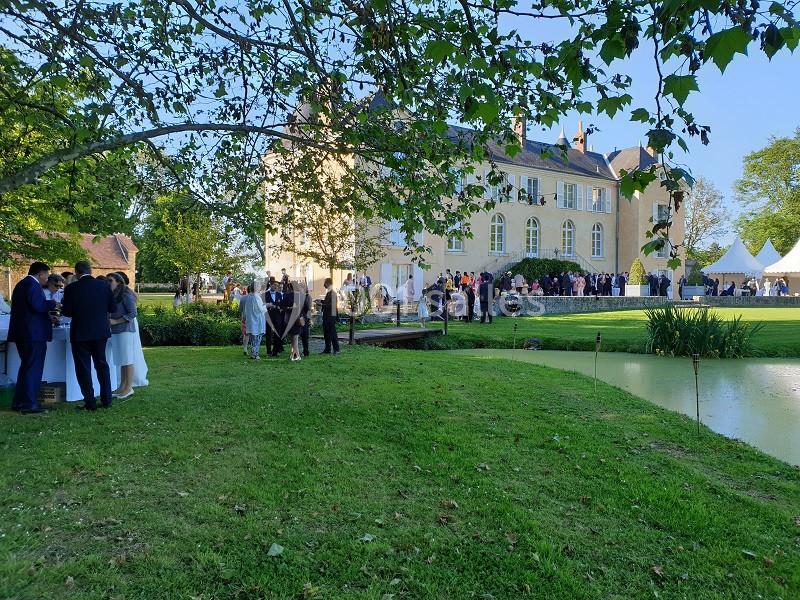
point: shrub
(536, 268)
(636, 275)
(695, 276)
(182, 328)
(675, 331)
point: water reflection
(756, 400)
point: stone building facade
(566, 207)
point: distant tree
(318, 220)
(770, 189)
(706, 217)
(180, 240)
(710, 255)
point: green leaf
(721, 46)
(612, 49)
(680, 86)
(86, 61)
(640, 114)
(613, 104)
(60, 81)
(221, 91)
(438, 50)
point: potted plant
(694, 284)
(637, 280)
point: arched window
(497, 234)
(568, 238)
(597, 240)
(532, 237)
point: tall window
(598, 199)
(597, 241)
(454, 243)
(568, 238)
(570, 195)
(394, 235)
(533, 189)
(662, 216)
(532, 237)
(497, 234)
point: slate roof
(574, 162)
(631, 159)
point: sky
(753, 100)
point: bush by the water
(195, 324)
(536, 268)
(675, 331)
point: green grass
(147, 301)
(470, 480)
(622, 331)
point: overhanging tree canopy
(221, 78)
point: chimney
(580, 138)
(520, 125)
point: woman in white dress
(123, 332)
(253, 313)
(422, 309)
(767, 287)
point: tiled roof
(111, 252)
(549, 157)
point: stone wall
(534, 305)
(745, 301)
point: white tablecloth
(59, 365)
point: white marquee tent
(768, 255)
(735, 261)
(788, 265)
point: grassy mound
(386, 474)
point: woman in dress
(422, 309)
(580, 284)
(254, 321)
(123, 332)
(292, 329)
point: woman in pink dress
(580, 283)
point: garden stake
(514, 344)
(597, 341)
(696, 365)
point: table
(59, 365)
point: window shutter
(606, 199)
(579, 200)
(655, 212)
(560, 194)
(589, 198)
(522, 193)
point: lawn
(622, 331)
(386, 474)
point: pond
(756, 400)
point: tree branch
(35, 170)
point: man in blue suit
(88, 302)
(30, 329)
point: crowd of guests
(95, 309)
(566, 283)
(750, 287)
(283, 311)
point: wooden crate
(52, 393)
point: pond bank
(756, 400)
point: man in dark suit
(305, 314)
(470, 293)
(30, 329)
(88, 302)
(273, 300)
(329, 314)
(486, 295)
(622, 281)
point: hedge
(537, 268)
(196, 324)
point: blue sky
(753, 100)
